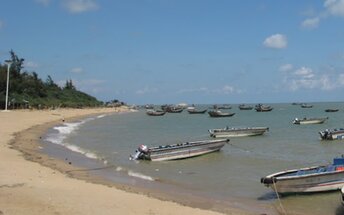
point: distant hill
(27, 90)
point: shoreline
(48, 185)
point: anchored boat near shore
(178, 151)
(309, 120)
(237, 132)
(332, 134)
(306, 180)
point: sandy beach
(33, 183)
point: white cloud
(311, 23)
(306, 78)
(277, 41)
(304, 72)
(335, 7)
(80, 6)
(30, 64)
(43, 2)
(285, 68)
(227, 89)
(146, 90)
(76, 70)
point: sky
(182, 51)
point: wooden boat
(178, 151)
(310, 179)
(218, 113)
(263, 108)
(152, 112)
(332, 134)
(306, 105)
(193, 110)
(237, 132)
(245, 107)
(172, 109)
(309, 120)
(331, 110)
(225, 106)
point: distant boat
(178, 151)
(237, 132)
(225, 106)
(263, 108)
(331, 110)
(309, 120)
(306, 180)
(218, 113)
(193, 110)
(332, 134)
(306, 105)
(245, 107)
(152, 112)
(172, 109)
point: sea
(228, 178)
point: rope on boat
(279, 200)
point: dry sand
(28, 187)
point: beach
(34, 183)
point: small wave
(101, 116)
(81, 151)
(141, 176)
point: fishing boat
(306, 180)
(218, 113)
(306, 105)
(193, 110)
(245, 107)
(178, 151)
(331, 110)
(152, 112)
(342, 195)
(263, 108)
(237, 132)
(332, 134)
(305, 120)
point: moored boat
(332, 110)
(237, 132)
(305, 120)
(332, 134)
(178, 151)
(218, 113)
(304, 105)
(152, 112)
(306, 180)
(193, 110)
(245, 107)
(263, 108)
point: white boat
(178, 151)
(332, 134)
(237, 132)
(305, 120)
(306, 180)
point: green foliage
(28, 90)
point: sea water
(232, 174)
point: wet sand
(31, 182)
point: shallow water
(235, 171)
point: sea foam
(141, 176)
(66, 129)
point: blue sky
(172, 51)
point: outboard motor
(141, 150)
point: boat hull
(182, 151)
(308, 180)
(309, 121)
(245, 132)
(320, 183)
